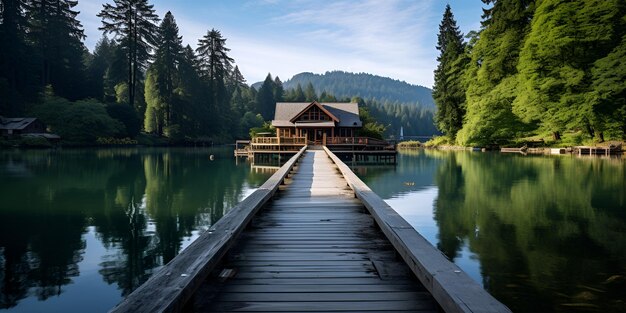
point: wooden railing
(279, 140)
(453, 289)
(170, 287)
(355, 141)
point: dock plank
(314, 248)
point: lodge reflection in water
(549, 232)
(141, 203)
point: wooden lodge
(333, 125)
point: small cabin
(20, 126)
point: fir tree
(266, 104)
(279, 91)
(165, 70)
(133, 22)
(448, 91)
(15, 58)
(56, 36)
(309, 93)
(214, 66)
(298, 95)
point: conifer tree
(491, 76)
(133, 22)
(56, 36)
(266, 104)
(298, 95)
(279, 90)
(448, 91)
(15, 56)
(309, 93)
(214, 68)
(165, 71)
(556, 63)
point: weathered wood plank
(453, 289)
(169, 288)
(320, 296)
(301, 306)
(336, 288)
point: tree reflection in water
(142, 203)
(549, 232)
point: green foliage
(439, 141)
(263, 130)
(347, 85)
(126, 115)
(251, 121)
(265, 98)
(121, 93)
(556, 61)
(134, 24)
(414, 120)
(411, 144)
(449, 90)
(309, 93)
(80, 122)
(491, 77)
(116, 141)
(33, 142)
(371, 128)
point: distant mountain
(346, 85)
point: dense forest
(537, 70)
(140, 84)
(367, 86)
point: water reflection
(143, 206)
(547, 233)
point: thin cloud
(393, 38)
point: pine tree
(133, 22)
(266, 104)
(97, 67)
(448, 91)
(309, 93)
(279, 91)
(214, 66)
(165, 71)
(15, 57)
(56, 36)
(298, 95)
(194, 114)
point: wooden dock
(324, 243)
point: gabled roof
(346, 113)
(16, 123)
(314, 103)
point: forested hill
(347, 85)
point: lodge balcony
(293, 144)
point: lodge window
(314, 114)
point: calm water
(540, 233)
(79, 229)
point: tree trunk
(589, 129)
(556, 135)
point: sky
(392, 38)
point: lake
(540, 233)
(80, 229)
